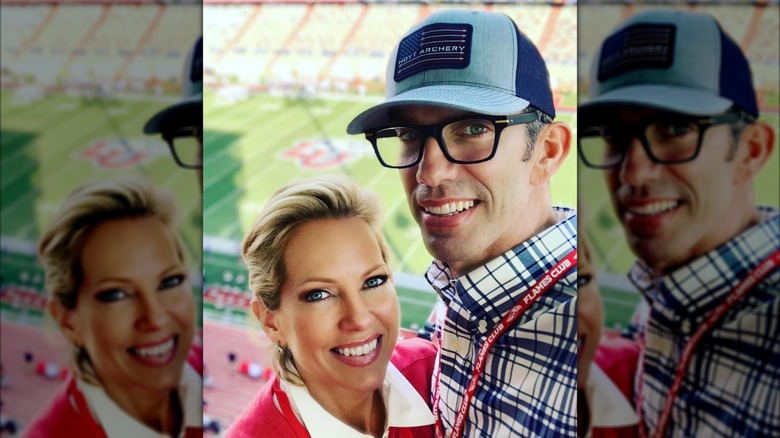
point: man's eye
(673, 129)
(408, 134)
(583, 280)
(376, 281)
(316, 295)
(172, 281)
(475, 129)
(111, 295)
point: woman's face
(590, 316)
(135, 312)
(339, 312)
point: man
(672, 120)
(181, 124)
(468, 120)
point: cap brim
(664, 97)
(458, 97)
(187, 112)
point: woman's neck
(161, 412)
(365, 413)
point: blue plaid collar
(530, 258)
(692, 291)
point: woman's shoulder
(261, 418)
(413, 352)
(63, 413)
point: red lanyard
(284, 404)
(539, 288)
(744, 286)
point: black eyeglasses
(463, 140)
(667, 139)
(186, 146)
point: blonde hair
(87, 207)
(304, 201)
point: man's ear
(269, 321)
(553, 145)
(756, 145)
(65, 321)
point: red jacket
(414, 358)
(618, 358)
(68, 413)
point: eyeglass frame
(187, 131)
(435, 130)
(638, 131)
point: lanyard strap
(756, 275)
(540, 287)
(284, 404)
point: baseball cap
(473, 61)
(189, 110)
(671, 60)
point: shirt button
(482, 325)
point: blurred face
(590, 316)
(673, 213)
(471, 213)
(135, 313)
(339, 311)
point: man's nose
(434, 167)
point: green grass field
(53, 145)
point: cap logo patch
(637, 47)
(435, 46)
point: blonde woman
(605, 366)
(324, 294)
(120, 294)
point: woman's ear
(65, 321)
(268, 320)
(553, 143)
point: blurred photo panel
(678, 172)
(286, 89)
(100, 285)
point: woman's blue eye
(583, 280)
(171, 281)
(316, 295)
(376, 281)
(111, 295)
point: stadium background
(282, 81)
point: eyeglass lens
(464, 140)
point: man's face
(673, 213)
(471, 213)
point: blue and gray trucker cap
(671, 60)
(472, 61)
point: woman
(605, 366)
(120, 295)
(323, 293)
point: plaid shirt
(732, 384)
(529, 384)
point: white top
(609, 408)
(404, 407)
(118, 424)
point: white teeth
(450, 208)
(358, 351)
(653, 209)
(157, 350)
